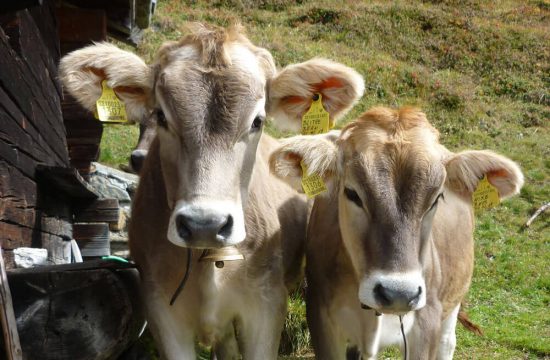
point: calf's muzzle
(206, 225)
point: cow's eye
(257, 123)
(353, 196)
(440, 196)
(161, 118)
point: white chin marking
(208, 208)
(396, 282)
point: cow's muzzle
(393, 293)
(206, 225)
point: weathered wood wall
(31, 132)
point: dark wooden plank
(91, 231)
(10, 23)
(101, 210)
(83, 26)
(46, 20)
(72, 110)
(42, 72)
(16, 186)
(59, 250)
(84, 152)
(19, 160)
(13, 236)
(27, 100)
(7, 317)
(92, 239)
(9, 260)
(67, 180)
(15, 211)
(16, 131)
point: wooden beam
(80, 27)
(101, 210)
(67, 180)
(7, 317)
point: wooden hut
(46, 141)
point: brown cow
(205, 183)
(394, 235)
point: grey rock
(113, 183)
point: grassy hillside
(481, 71)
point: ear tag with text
(312, 184)
(485, 196)
(109, 108)
(316, 120)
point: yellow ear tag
(485, 196)
(316, 120)
(109, 108)
(312, 184)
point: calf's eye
(161, 118)
(257, 123)
(352, 196)
(440, 196)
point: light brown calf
(393, 235)
(205, 183)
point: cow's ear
(82, 72)
(317, 152)
(467, 168)
(291, 91)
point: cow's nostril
(182, 227)
(226, 229)
(380, 293)
(414, 300)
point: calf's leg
(262, 325)
(227, 348)
(327, 342)
(174, 338)
(423, 339)
(447, 342)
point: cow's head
(210, 94)
(389, 172)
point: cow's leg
(227, 347)
(326, 341)
(174, 339)
(447, 342)
(262, 325)
(423, 339)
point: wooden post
(9, 326)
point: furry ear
(291, 91)
(318, 152)
(465, 169)
(82, 72)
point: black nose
(136, 160)
(396, 298)
(205, 227)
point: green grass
(481, 71)
(117, 143)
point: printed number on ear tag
(109, 108)
(312, 184)
(316, 120)
(485, 196)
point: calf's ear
(291, 91)
(467, 168)
(82, 72)
(317, 152)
